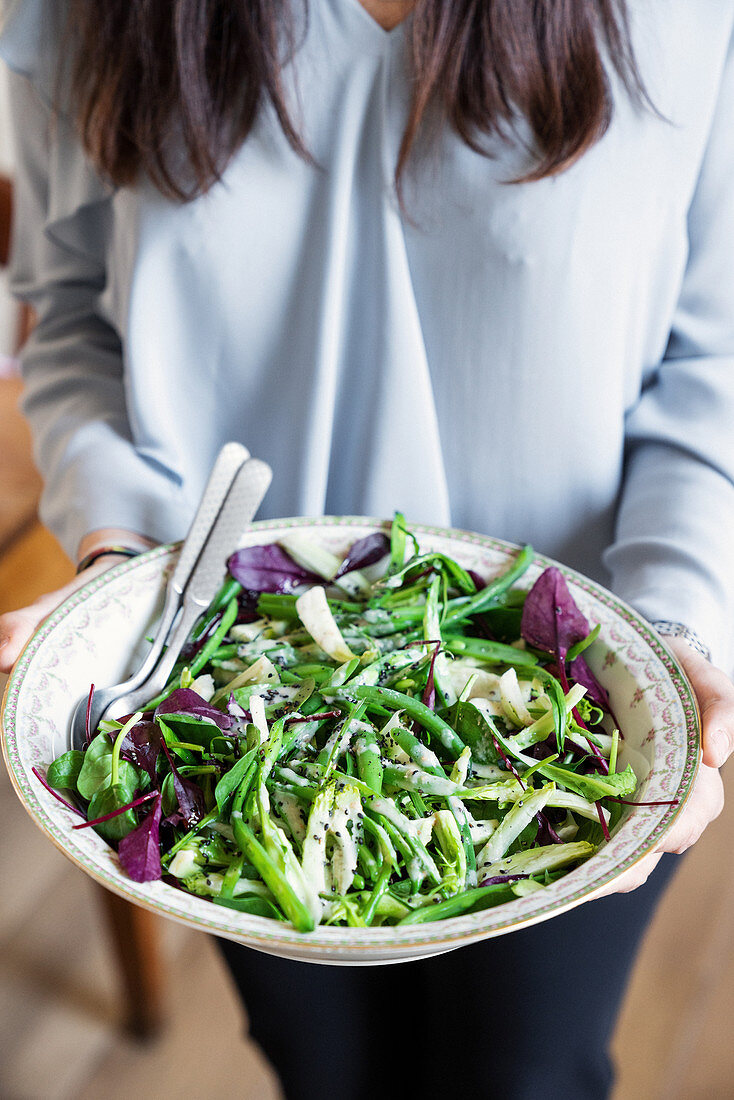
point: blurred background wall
(6, 163)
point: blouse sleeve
(73, 364)
(673, 555)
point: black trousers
(525, 1016)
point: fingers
(715, 694)
(16, 628)
(633, 878)
(705, 803)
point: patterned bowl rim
(331, 943)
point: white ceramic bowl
(97, 636)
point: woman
(469, 260)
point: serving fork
(233, 494)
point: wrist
(670, 629)
(105, 552)
(110, 542)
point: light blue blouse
(551, 361)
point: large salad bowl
(98, 636)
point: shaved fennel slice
(315, 614)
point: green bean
(317, 672)
(244, 788)
(397, 840)
(297, 913)
(232, 876)
(414, 708)
(395, 598)
(418, 804)
(418, 752)
(398, 538)
(230, 590)
(369, 763)
(462, 820)
(367, 862)
(229, 616)
(413, 778)
(380, 888)
(412, 849)
(439, 563)
(225, 653)
(490, 652)
(387, 666)
(460, 903)
(204, 654)
(277, 606)
(388, 855)
(487, 596)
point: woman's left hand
(715, 694)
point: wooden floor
(60, 1014)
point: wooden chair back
(6, 213)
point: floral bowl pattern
(98, 636)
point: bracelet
(102, 551)
(680, 630)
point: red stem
(602, 822)
(122, 809)
(313, 717)
(601, 762)
(42, 779)
(507, 762)
(627, 802)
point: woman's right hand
(16, 627)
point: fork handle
(243, 498)
(229, 461)
(154, 682)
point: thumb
(16, 627)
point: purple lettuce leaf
(142, 746)
(235, 710)
(551, 621)
(189, 795)
(247, 606)
(429, 692)
(364, 552)
(184, 701)
(140, 851)
(546, 833)
(479, 582)
(240, 717)
(495, 880)
(582, 674)
(174, 819)
(268, 569)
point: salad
(379, 739)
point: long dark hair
(138, 65)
